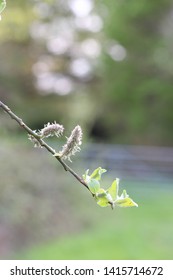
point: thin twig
(42, 143)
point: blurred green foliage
(34, 201)
(138, 90)
(127, 98)
(143, 233)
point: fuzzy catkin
(72, 144)
(51, 130)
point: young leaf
(93, 185)
(97, 173)
(92, 181)
(101, 198)
(103, 202)
(113, 189)
(125, 202)
(101, 193)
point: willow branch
(42, 143)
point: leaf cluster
(107, 197)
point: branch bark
(42, 143)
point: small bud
(51, 130)
(34, 140)
(72, 144)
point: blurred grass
(133, 233)
(43, 205)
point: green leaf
(103, 202)
(97, 173)
(2, 5)
(92, 180)
(113, 189)
(93, 185)
(101, 198)
(125, 202)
